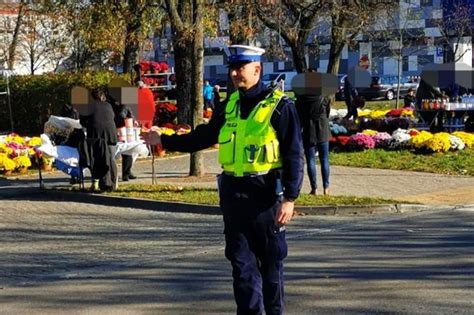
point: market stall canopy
(445, 74)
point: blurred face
(245, 76)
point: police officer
(261, 153)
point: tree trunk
(183, 67)
(16, 32)
(130, 56)
(337, 45)
(299, 60)
(197, 58)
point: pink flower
(360, 141)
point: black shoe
(125, 178)
(131, 176)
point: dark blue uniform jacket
(285, 122)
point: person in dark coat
(350, 94)
(102, 140)
(261, 153)
(216, 96)
(313, 111)
(409, 100)
(123, 112)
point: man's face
(245, 76)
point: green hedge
(35, 97)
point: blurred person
(350, 94)
(102, 140)
(409, 100)
(121, 113)
(313, 111)
(207, 93)
(146, 105)
(216, 96)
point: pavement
(77, 253)
(61, 257)
(424, 189)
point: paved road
(74, 258)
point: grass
(453, 162)
(210, 196)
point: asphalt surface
(84, 256)
(74, 258)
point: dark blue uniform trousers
(256, 247)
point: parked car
(279, 76)
(386, 87)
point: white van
(278, 77)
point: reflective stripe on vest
(249, 146)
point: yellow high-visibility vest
(249, 146)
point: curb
(181, 207)
(19, 191)
(146, 204)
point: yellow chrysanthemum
(6, 163)
(48, 160)
(166, 131)
(467, 138)
(15, 138)
(378, 114)
(35, 142)
(22, 161)
(369, 132)
(407, 113)
(419, 140)
(439, 142)
(6, 150)
(364, 113)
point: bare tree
(398, 36)
(12, 49)
(455, 25)
(348, 19)
(294, 21)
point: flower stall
(404, 139)
(17, 153)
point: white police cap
(244, 54)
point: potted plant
(7, 164)
(22, 163)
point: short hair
(98, 93)
(411, 90)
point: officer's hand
(152, 136)
(285, 213)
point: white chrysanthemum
(456, 143)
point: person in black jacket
(350, 94)
(260, 150)
(123, 112)
(102, 140)
(216, 96)
(313, 111)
